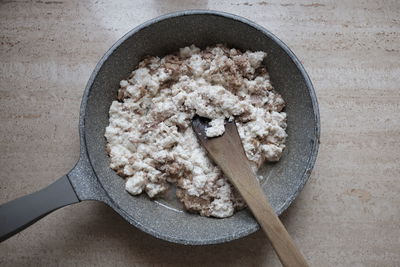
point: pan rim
(312, 156)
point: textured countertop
(347, 215)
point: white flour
(151, 142)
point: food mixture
(150, 140)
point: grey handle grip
(18, 214)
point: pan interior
(283, 180)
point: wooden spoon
(228, 153)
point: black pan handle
(18, 214)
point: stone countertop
(347, 215)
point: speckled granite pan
(92, 179)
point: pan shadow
(92, 234)
(251, 249)
(106, 228)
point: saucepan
(92, 179)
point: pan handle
(18, 214)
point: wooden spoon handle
(227, 151)
(258, 203)
(283, 244)
(247, 184)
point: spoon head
(200, 124)
(223, 147)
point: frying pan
(92, 179)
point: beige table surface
(347, 215)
